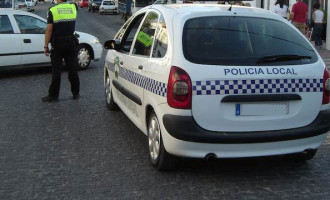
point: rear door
(249, 76)
(10, 51)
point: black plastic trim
(23, 53)
(127, 93)
(185, 128)
(262, 97)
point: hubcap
(154, 138)
(108, 90)
(83, 57)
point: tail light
(326, 87)
(179, 89)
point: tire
(83, 57)
(303, 156)
(110, 103)
(159, 157)
(89, 10)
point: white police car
(210, 81)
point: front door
(32, 39)
(127, 78)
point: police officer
(60, 33)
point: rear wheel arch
(149, 110)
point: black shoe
(49, 99)
(76, 96)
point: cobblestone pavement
(79, 150)
(327, 62)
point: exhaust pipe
(210, 157)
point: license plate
(262, 109)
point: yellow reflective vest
(64, 12)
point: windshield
(5, 4)
(244, 41)
(143, 3)
(108, 3)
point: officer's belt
(64, 37)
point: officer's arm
(48, 34)
(49, 31)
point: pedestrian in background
(281, 9)
(298, 15)
(318, 25)
(128, 11)
(61, 20)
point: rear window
(243, 41)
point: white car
(215, 81)
(22, 40)
(6, 4)
(108, 6)
(30, 5)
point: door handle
(27, 41)
(140, 67)
(121, 62)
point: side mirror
(112, 44)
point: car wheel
(111, 105)
(84, 57)
(159, 157)
(89, 10)
(303, 156)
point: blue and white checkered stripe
(149, 84)
(260, 86)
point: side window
(145, 37)
(161, 41)
(128, 35)
(121, 32)
(5, 26)
(30, 25)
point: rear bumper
(186, 129)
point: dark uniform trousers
(64, 47)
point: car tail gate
(256, 98)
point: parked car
(83, 3)
(207, 81)
(94, 5)
(30, 5)
(22, 40)
(6, 4)
(108, 6)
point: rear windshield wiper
(280, 58)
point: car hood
(85, 37)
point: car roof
(14, 11)
(11, 11)
(184, 9)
